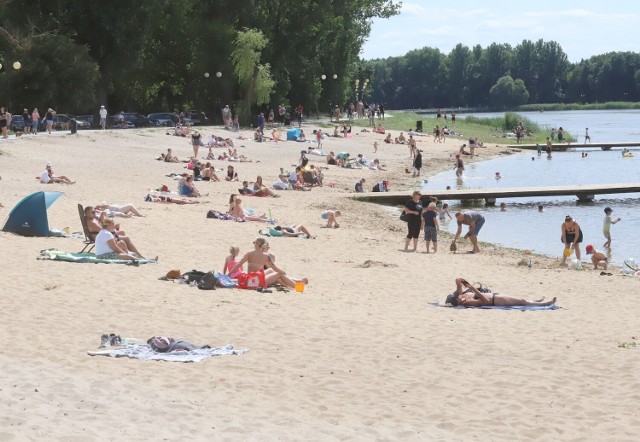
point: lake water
(604, 125)
(523, 227)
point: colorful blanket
(59, 255)
(501, 307)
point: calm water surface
(604, 125)
(523, 227)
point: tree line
(163, 55)
(502, 76)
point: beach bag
(208, 282)
(193, 276)
(252, 280)
(160, 344)
(403, 216)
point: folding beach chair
(88, 241)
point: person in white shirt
(103, 118)
(108, 247)
(47, 177)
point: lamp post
(218, 75)
(16, 66)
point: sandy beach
(360, 355)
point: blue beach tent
(29, 216)
(293, 134)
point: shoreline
(360, 352)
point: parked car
(164, 118)
(17, 123)
(87, 118)
(61, 122)
(116, 123)
(198, 118)
(139, 120)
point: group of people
(420, 218)
(572, 236)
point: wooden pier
(582, 192)
(564, 146)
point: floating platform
(582, 192)
(564, 146)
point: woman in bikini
(571, 238)
(259, 260)
(469, 296)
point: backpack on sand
(208, 282)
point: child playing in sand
(597, 258)
(606, 227)
(231, 261)
(330, 216)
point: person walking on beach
(103, 117)
(417, 163)
(571, 238)
(459, 166)
(606, 227)
(586, 135)
(413, 210)
(475, 221)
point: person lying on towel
(469, 296)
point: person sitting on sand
(121, 210)
(257, 136)
(232, 175)
(259, 260)
(241, 215)
(187, 188)
(375, 165)
(109, 247)
(331, 158)
(401, 139)
(209, 173)
(597, 258)
(379, 129)
(359, 187)
(276, 135)
(169, 157)
(47, 177)
(469, 296)
(282, 183)
(330, 216)
(294, 230)
(262, 191)
(388, 139)
(230, 262)
(94, 224)
(302, 136)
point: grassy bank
(488, 130)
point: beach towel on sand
(146, 353)
(59, 255)
(500, 307)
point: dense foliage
(161, 55)
(153, 55)
(502, 76)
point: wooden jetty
(582, 192)
(564, 146)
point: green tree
(508, 93)
(253, 77)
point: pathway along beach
(361, 354)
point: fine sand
(360, 355)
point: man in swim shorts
(475, 221)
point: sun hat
(589, 249)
